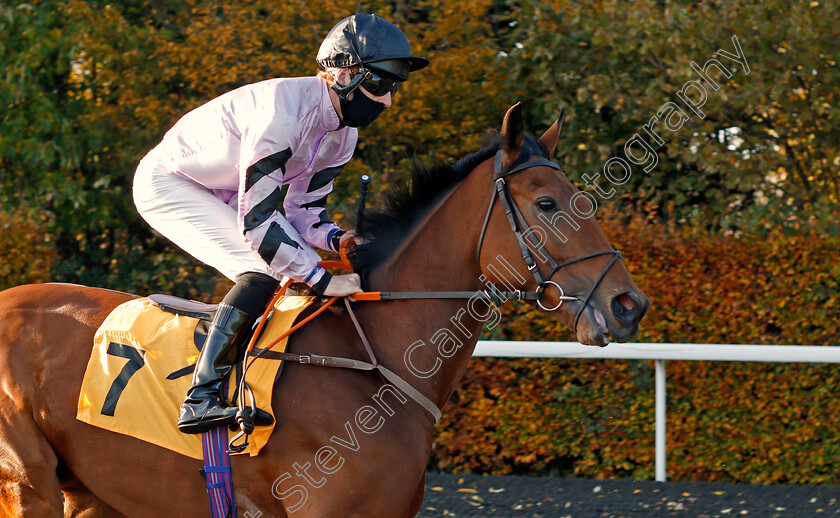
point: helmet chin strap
(352, 85)
(361, 110)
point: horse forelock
(410, 202)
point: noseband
(517, 222)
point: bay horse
(346, 442)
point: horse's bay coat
(329, 455)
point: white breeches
(195, 220)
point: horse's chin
(592, 328)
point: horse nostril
(626, 301)
(625, 308)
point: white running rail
(660, 353)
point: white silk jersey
(247, 145)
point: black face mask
(359, 111)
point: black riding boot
(206, 407)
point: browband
(518, 165)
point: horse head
(556, 246)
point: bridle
(517, 221)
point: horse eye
(547, 205)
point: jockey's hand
(343, 285)
(353, 237)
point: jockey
(214, 186)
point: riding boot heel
(205, 406)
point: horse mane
(410, 201)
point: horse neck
(440, 255)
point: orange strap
(344, 264)
(362, 295)
(367, 296)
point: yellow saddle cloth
(138, 373)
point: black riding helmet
(372, 42)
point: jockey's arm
(305, 204)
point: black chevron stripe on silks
(266, 166)
(262, 211)
(275, 237)
(320, 202)
(323, 177)
(323, 219)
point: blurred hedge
(90, 87)
(732, 421)
(33, 255)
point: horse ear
(513, 134)
(550, 137)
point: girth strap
(320, 361)
(347, 363)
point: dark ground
(473, 495)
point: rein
(498, 297)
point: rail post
(659, 367)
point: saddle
(142, 360)
(188, 308)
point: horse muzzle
(600, 322)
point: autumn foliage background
(733, 236)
